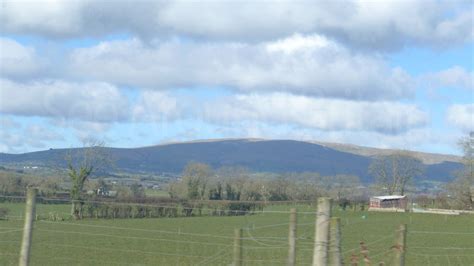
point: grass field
(431, 239)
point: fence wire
(208, 239)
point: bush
(3, 213)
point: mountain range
(258, 155)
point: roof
(391, 197)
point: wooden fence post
(292, 238)
(238, 247)
(335, 257)
(400, 245)
(321, 239)
(28, 226)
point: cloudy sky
(394, 73)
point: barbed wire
(268, 226)
(11, 231)
(136, 237)
(367, 244)
(270, 239)
(154, 253)
(219, 257)
(447, 248)
(264, 244)
(427, 257)
(365, 221)
(8, 254)
(264, 260)
(441, 255)
(140, 229)
(82, 259)
(440, 232)
(220, 253)
(8, 227)
(380, 253)
(156, 239)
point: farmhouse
(392, 203)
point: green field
(431, 240)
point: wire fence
(207, 239)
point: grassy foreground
(431, 240)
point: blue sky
(167, 71)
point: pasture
(431, 239)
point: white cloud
(15, 138)
(454, 77)
(46, 17)
(90, 106)
(461, 116)
(316, 113)
(41, 134)
(85, 131)
(17, 60)
(309, 65)
(156, 106)
(368, 24)
(55, 98)
(298, 42)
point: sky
(388, 74)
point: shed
(388, 203)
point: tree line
(200, 182)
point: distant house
(104, 192)
(392, 203)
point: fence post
(28, 226)
(321, 239)
(400, 245)
(292, 239)
(335, 257)
(237, 247)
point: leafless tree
(81, 164)
(393, 172)
(462, 188)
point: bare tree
(462, 188)
(467, 146)
(82, 164)
(393, 172)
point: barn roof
(391, 197)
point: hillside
(426, 158)
(275, 156)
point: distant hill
(426, 158)
(275, 156)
